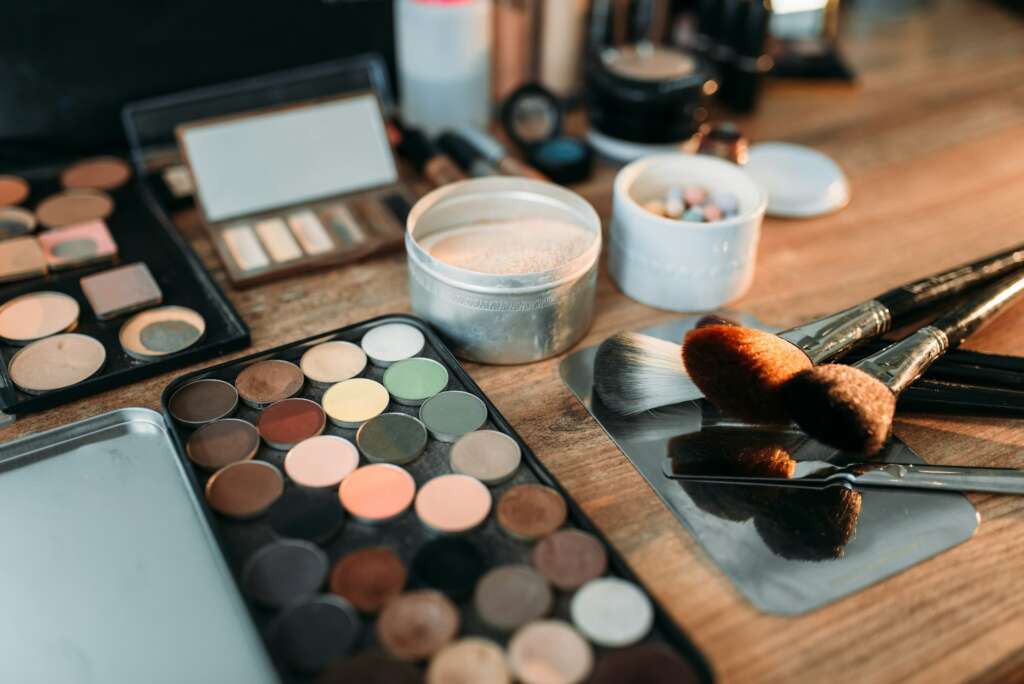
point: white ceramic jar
(683, 265)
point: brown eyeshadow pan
(266, 382)
(245, 489)
(570, 558)
(368, 578)
(416, 625)
(98, 173)
(20, 258)
(510, 596)
(13, 190)
(223, 442)
(203, 401)
(288, 422)
(74, 206)
(531, 511)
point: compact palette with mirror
(94, 290)
(384, 523)
(301, 186)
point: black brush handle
(954, 357)
(976, 311)
(1005, 371)
(962, 402)
(911, 297)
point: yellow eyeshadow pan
(353, 402)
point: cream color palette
(353, 402)
(36, 315)
(56, 362)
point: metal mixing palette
(788, 551)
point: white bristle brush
(634, 373)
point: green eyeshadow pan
(413, 381)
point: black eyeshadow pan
(451, 565)
(315, 515)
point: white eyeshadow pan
(310, 232)
(278, 240)
(392, 342)
(245, 248)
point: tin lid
(800, 181)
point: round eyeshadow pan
(56, 362)
(331, 362)
(392, 438)
(476, 660)
(99, 173)
(391, 342)
(510, 596)
(286, 423)
(450, 415)
(570, 558)
(371, 668)
(368, 578)
(322, 461)
(549, 652)
(244, 489)
(74, 206)
(377, 492)
(453, 503)
(222, 442)
(351, 403)
(531, 511)
(452, 565)
(15, 221)
(413, 381)
(648, 663)
(283, 572)
(155, 333)
(612, 612)
(266, 382)
(315, 515)
(203, 401)
(13, 190)
(415, 625)
(314, 634)
(488, 455)
(33, 316)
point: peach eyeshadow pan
(322, 461)
(377, 492)
(20, 258)
(37, 315)
(74, 206)
(56, 362)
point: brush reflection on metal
(796, 524)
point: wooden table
(933, 142)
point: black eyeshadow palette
(409, 570)
(86, 219)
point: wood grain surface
(932, 138)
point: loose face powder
(392, 342)
(322, 461)
(512, 247)
(290, 421)
(353, 402)
(377, 492)
(56, 362)
(36, 315)
(161, 331)
(331, 362)
(412, 381)
(488, 455)
(265, 382)
(453, 503)
(203, 401)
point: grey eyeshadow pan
(394, 438)
(166, 337)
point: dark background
(67, 67)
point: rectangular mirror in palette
(788, 551)
(360, 479)
(298, 186)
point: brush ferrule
(902, 363)
(827, 338)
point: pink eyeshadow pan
(378, 492)
(453, 503)
(78, 245)
(322, 461)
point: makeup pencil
(852, 407)
(741, 370)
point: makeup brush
(634, 373)
(851, 407)
(741, 370)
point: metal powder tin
(502, 319)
